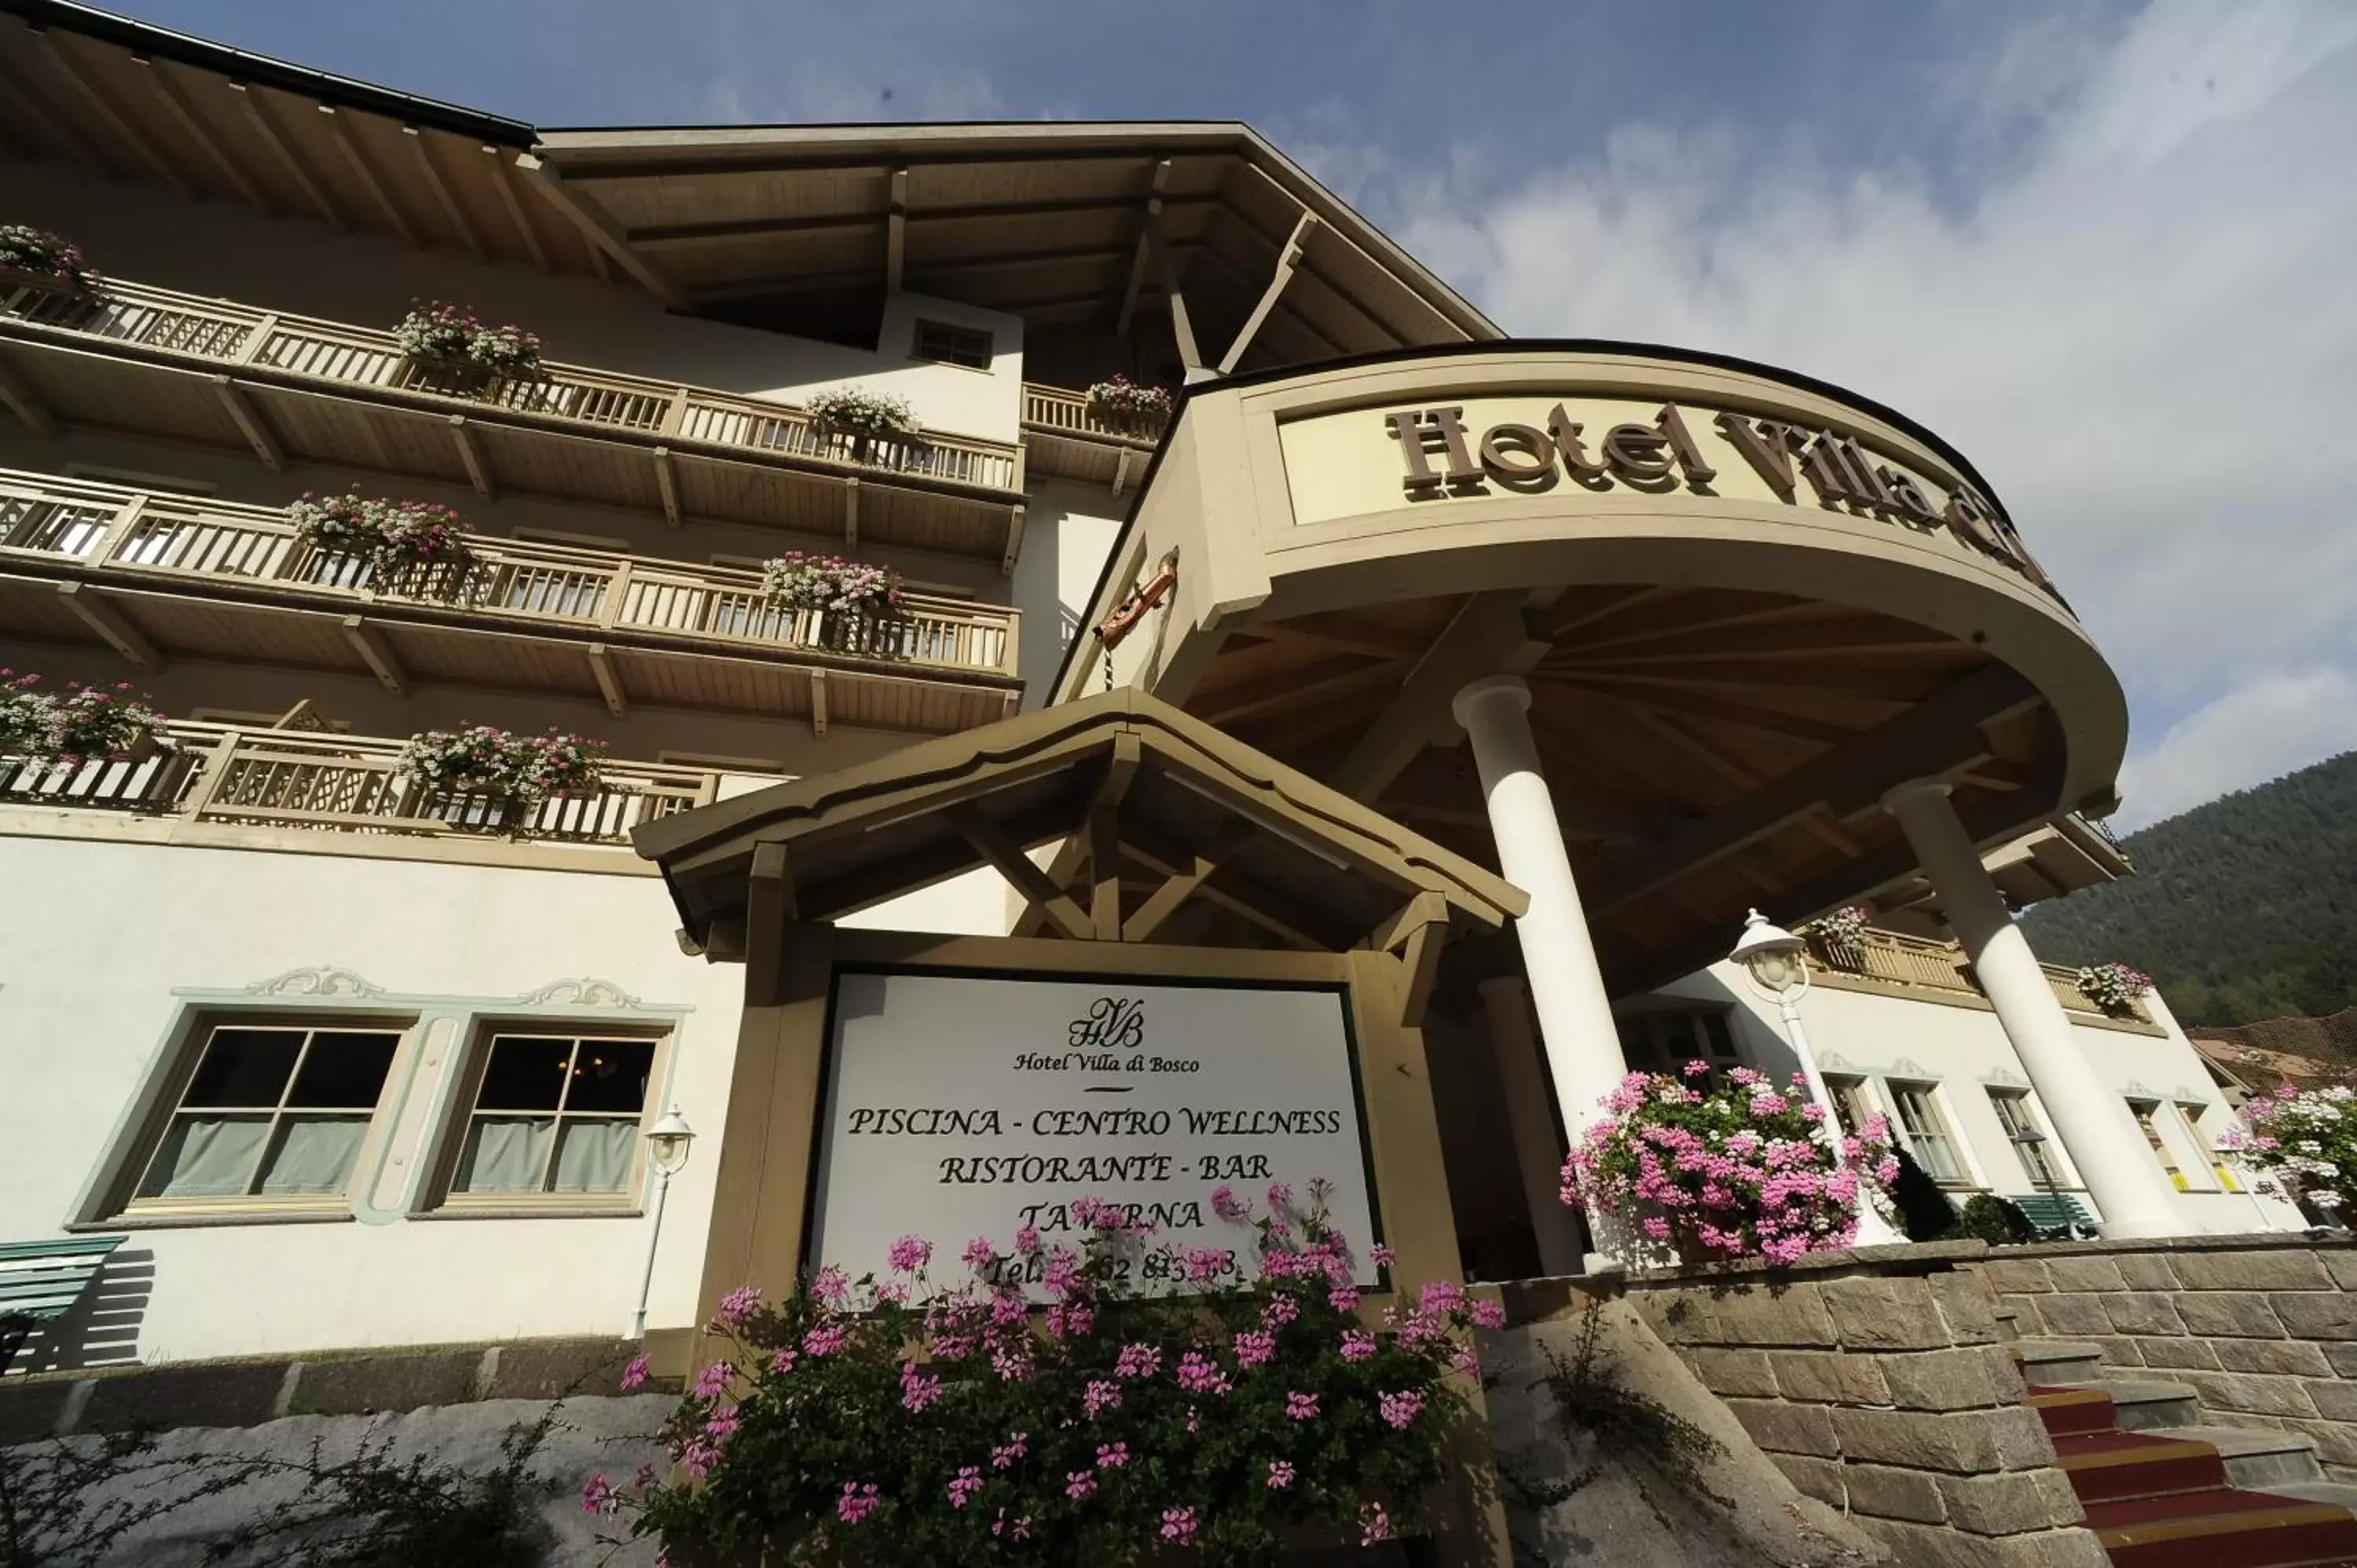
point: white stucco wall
(1068, 529)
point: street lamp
(2033, 1143)
(667, 1146)
(1773, 958)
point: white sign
(960, 1106)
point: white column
(1873, 1229)
(1506, 1002)
(2093, 1120)
(1583, 1048)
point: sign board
(965, 1105)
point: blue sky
(2103, 247)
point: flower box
(1131, 406)
(1838, 936)
(861, 418)
(502, 766)
(37, 259)
(86, 723)
(830, 584)
(398, 539)
(2114, 987)
(446, 347)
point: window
(1854, 1107)
(2146, 1118)
(553, 1116)
(2210, 1157)
(2029, 1141)
(944, 344)
(1925, 1133)
(1662, 1041)
(268, 1114)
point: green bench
(2055, 1214)
(41, 1281)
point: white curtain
(595, 1157)
(205, 1156)
(504, 1153)
(313, 1153)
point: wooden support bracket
(442, 196)
(349, 145)
(851, 514)
(470, 453)
(94, 610)
(22, 401)
(376, 653)
(503, 179)
(610, 681)
(250, 423)
(990, 842)
(667, 481)
(275, 140)
(818, 703)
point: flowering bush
(798, 582)
(848, 411)
(85, 724)
(1838, 930)
(24, 248)
(481, 760)
(2304, 1141)
(2114, 987)
(392, 535)
(451, 337)
(901, 1421)
(1122, 401)
(1734, 1169)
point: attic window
(944, 344)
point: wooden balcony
(1068, 438)
(153, 362)
(1917, 964)
(340, 783)
(160, 576)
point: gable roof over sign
(1274, 851)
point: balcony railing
(356, 357)
(1898, 959)
(340, 783)
(1068, 438)
(138, 537)
(1068, 412)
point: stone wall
(2262, 1327)
(1878, 1383)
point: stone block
(2145, 1271)
(2141, 1311)
(222, 1393)
(30, 1410)
(2316, 1316)
(2236, 1314)
(2020, 1437)
(1885, 1314)
(1887, 1492)
(2072, 1315)
(2016, 1276)
(1781, 1428)
(1823, 1479)
(2336, 1442)
(1771, 1314)
(2341, 1263)
(2119, 1350)
(2248, 1391)
(1936, 1546)
(2334, 1400)
(2294, 1357)
(2343, 1358)
(555, 1369)
(1973, 1378)
(2086, 1273)
(362, 1385)
(2180, 1353)
(1967, 1305)
(2276, 1269)
(1677, 1316)
(1971, 1442)
(1735, 1373)
(1828, 1377)
(2010, 1504)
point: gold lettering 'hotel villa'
(1518, 672)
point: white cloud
(2139, 322)
(2260, 730)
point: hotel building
(1656, 635)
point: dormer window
(942, 343)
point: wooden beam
(1287, 260)
(443, 196)
(1254, 905)
(192, 125)
(990, 842)
(275, 140)
(57, 130)
(1422, 909)
(250, 423)
(896, 234)
(1182, 327)
(610, 681)
(503, 180)
(61, 59)
(1495, 633)
(1104, 873)
(18, 394)
(1939, 735)
(1164, 900)
(850, 514)
(376, 653)
(470, 453)
(667, 483)
(1139, 256)
(1420, 961)
(96, 611)
(769, 906)
(818, 703)
(598, 226)
(349, 145)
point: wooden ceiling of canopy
(1659, 712)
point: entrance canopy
(1170, 832)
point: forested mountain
(2242, 909)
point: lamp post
(667, 1142)
(1772, 958)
